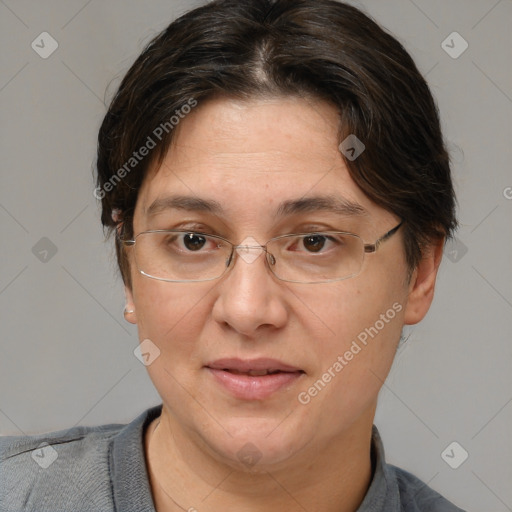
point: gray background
(66, 352)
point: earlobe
(422, 284)
(130, 314)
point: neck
(184, 476)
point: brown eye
(194, 242)
(314, 243)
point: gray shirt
(103, 469)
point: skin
(249, 156)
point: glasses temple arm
(383, 238)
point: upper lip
(246, 365)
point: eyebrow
(187, 203)
(333, 204)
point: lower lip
(247, 387)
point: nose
(250, 299)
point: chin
(258, 444)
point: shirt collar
(383, 493)
(130, 480)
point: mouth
(254, 379)
(253, 373)
(261, 364)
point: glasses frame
(368, 248)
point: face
(332, 342)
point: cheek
(350, 309)
(364, 324)
(171, 315)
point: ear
(130, 314)
(422, 283)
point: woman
(276, 180)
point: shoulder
(68, 467)
(417, 496)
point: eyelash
(195, 227)
(198, 227)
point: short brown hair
(259, 48)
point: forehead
(254, 154)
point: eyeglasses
(180, 256)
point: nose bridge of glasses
(250, 250)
